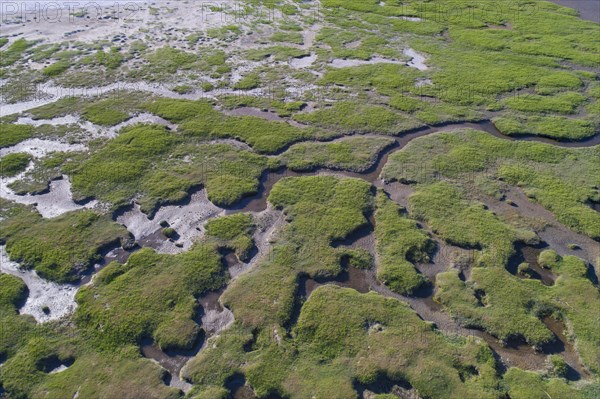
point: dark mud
(236, 384)
(172, 360)
(350, 278)
(529, 254)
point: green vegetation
(356, 154)
(107, 110)
(91, 374)
(493, 299)
(461, 222)
(532, 65)
(11, 134)
(165, 62)
(151, 296)
(351, 117)
(386, 78)
(61, 248)
(155, 166)
(56, 69)
(510, 307)
(381, 337)
(282, 108)
(13, 164)
(564, 103)
(233, 232)
(557, 366)
(183, 89)
(169, 60)
(37, 180)
(555, 127)
(12, 291)
(288, 37)
(480, 57)
(526, 385)
(279, 53)
(248, 82)
(199, 119)
(111, 59)
(563, 180)
(320, 210)
(400, 243)
(14, 52)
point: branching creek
(215, 318)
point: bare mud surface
(417, 60)
(558, 237)
(57, 201)
(303, 62)
(46, 301)
(39, 148)
(215, 317)
(172, 361)
(187, 219)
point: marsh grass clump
(355, 117)
(11, 134)
(44, 170)
(461, 222)
(282, 108)
(563, 103)
(155, 166)
(557, 367)
(278, 53)
(180, 110)
(552, 126)
(62, 248)
(113, 172)
(385, 78)
(248, 82)
(513, 308)
(233, 232)
(91, 372)
(316, 358)
(356, 154)
(288, 37)
(164, 289)
(320, 210)
(544, 172)
(400, 243)
(322, 360)
(13, 164)
(56, 69)
(521, 384)
(169, 60)
(12, 291)
(460, 299)
(14, 52)
(169, 232)
(199, 119)
(107, 110)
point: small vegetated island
(366, 199)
